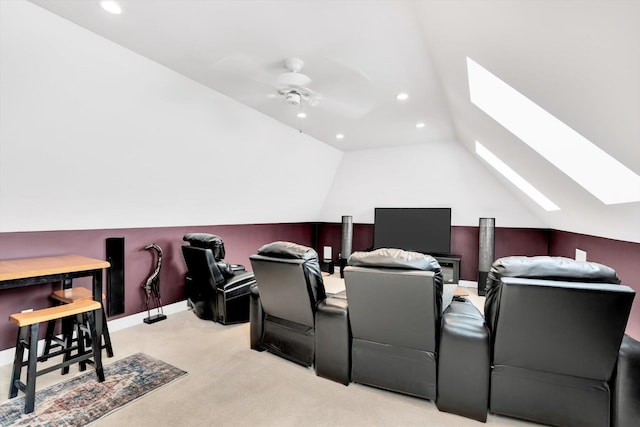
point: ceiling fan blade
(349, 109)
(337, 69)
(244, 66)
(342, 88)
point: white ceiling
(359, 54)
(577, 59)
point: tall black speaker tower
(346, 241)
(115, 275)
(486, 251)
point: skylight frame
(515, 178)
(587, 164)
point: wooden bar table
(23, 272)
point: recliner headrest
(394, 258)
(207, 241)
(539, 267)
(552, 268)
(288, 250)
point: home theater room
(320, 213)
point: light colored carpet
(230, 384)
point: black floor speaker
(346, 242)
(115, 275)
(486, 251)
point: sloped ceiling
(579, 60)
(359, 55)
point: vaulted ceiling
(578, 60)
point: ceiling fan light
(402, 96)
(293, 98)
(340, 136)
(111, 7)
(302, 114)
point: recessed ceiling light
(420, 125)
(402, 96)
(302, 114)
(339, 136)
(111, 7)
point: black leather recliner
(283, 303)
(394, 308)
(556, 329)
(214, 289)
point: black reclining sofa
(552, 349)
(555, 328)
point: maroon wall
(622, 256)
(241, 241)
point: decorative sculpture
(152, 288)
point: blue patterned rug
(82, 399)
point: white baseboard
(6, 356)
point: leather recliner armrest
(238, 281)
(333, 339)
(256, 319)
(626, 387)
(464, 362)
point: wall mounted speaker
(486, 251)
(346, 241)
(315, 236)
(115, 275)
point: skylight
(584, 162)
(515, 179)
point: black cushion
(541, 267)
(288, 250)
(207, 241)
(551, 268)
(400, 259)
(394, 258)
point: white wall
(95, 136)
(442, 174)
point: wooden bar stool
(67, 296)
(28, 324)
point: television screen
(426, 230)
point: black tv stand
(450, 268)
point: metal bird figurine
(152, 287)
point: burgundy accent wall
(241, 241)
(624, 257)
(330, 234)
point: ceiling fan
(294, 85)
(336, 88)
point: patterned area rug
(82, 400)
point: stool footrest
(69, 362)
(20, 385)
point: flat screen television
(426, 230)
